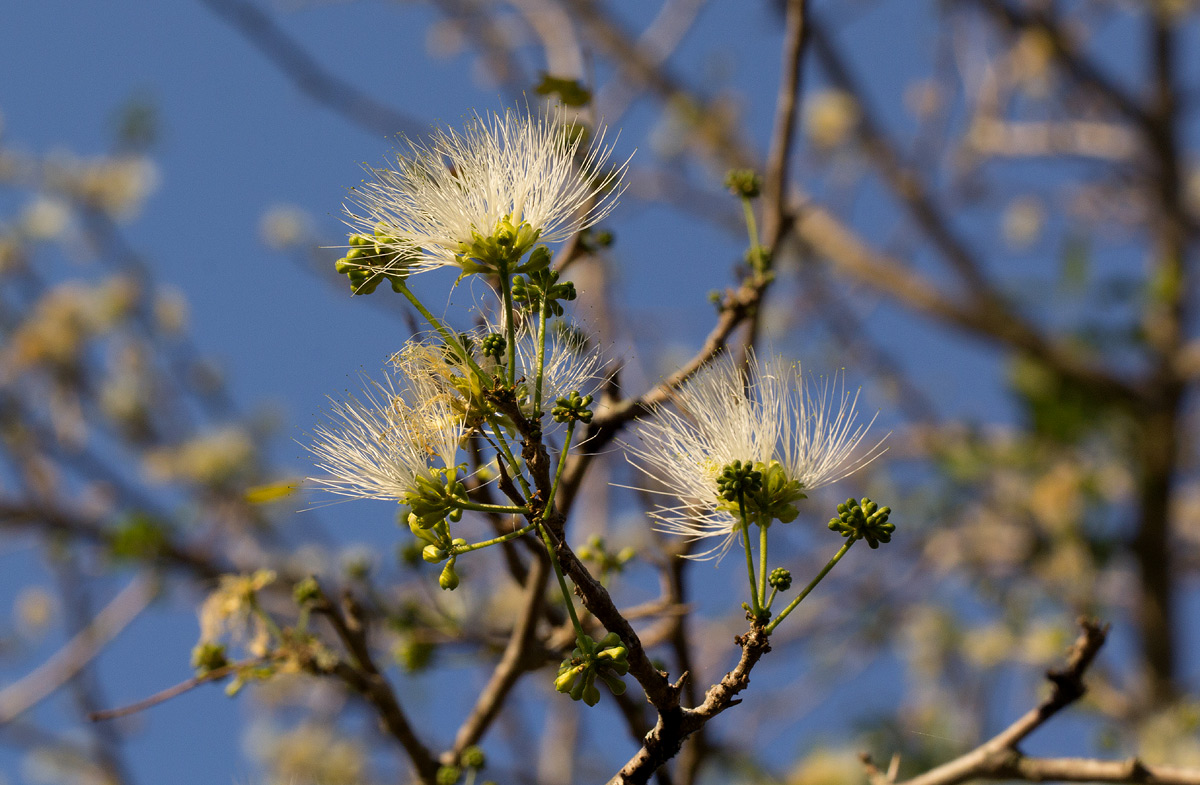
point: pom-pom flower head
(480, 198)
(397, 444)
(742, 447)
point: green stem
(450, 338)
(751, 224)
(762, 564)
(754, 606)
(271, 626)
(562, 583)
(541, 359)
(510, 323)
(512, 535)
(513, 466)
(771, 599)
(812, 584)
(562, 462)
(500, 508)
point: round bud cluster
(473, 758)
(501, 252)
(436, 498)
(780, 579)
(866, 521)
(739, 480)
(494, 346)
(744, 183)
(208, 656)
(306, 591)
(372, 259)
(572, 408)
(542, 290)
(759, 259)
(448, 775)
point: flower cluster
(739, 446)
(742, 444)
(480, 198)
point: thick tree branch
(1000, 757)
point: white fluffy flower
(523, 170)
(765, 416)
(378, 446)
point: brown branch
(661, 693)
(365, 678)
(999, 757)
(787, 106)
(515, 661)
(672, 729)
(1091, 770)
(846, 251)
(1069, 57)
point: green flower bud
(863, 521)
(780, 579)
(306, 591)
(208, 656)
(538, 260)
(566, 678)
(572, 408)
(474, 758)
(591, 693)
(744, 183)
(494, 346)
(448, 580)
(738, 480)
(615, 685)
(434, 554)
(448, 775)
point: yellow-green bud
(448, 580)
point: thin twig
(216, 674)
(308, 75)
